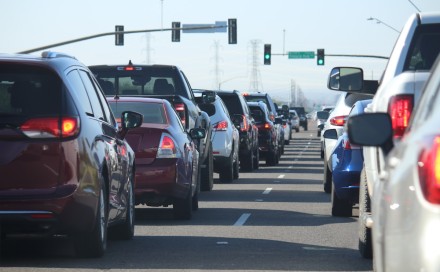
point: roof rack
(51, 54)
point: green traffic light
(320, 62)
(267, 56)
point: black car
(267, 133)
(66, 168)
(249, 155)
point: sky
(338, 27)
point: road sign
(301, 55)
(220, 26)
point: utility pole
(255, 71)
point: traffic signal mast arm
(108, 34)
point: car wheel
(237, 166)
(125, 231)
(227, 173)
(207, 180)
(340, 207)
(286, 142)
(365, 240)
(247, 164)
(182, 208)
(297, 129)
(195, 198)
(93, 244)
(322, 153)
(305, 127)
(257, 158)
(327, 181)
(271, 158)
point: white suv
(400, 88)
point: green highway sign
(301, 55)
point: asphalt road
(273, 219)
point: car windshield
(152, 112)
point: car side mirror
(197, 133)
(371, 129)
(129, 120)
(208, 97)
(346, 79)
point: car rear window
(153, 112)
(139, 81)
(29, 92)
(232, 103)
(424, 48)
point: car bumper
(73, 211)
(157, 184)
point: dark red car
(65, 168)
(166, 155)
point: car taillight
(429, 171)
(244, 126)
(348, 146)
(267, 126)
(221, 126)
(338, 120)
(167, 147)
(399, 109)
(180, 109)
(51, 127)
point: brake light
(167, 147)
(400, 109)
(338, 120)
(267, 126)
(180, 109)
(348, 146)
(244, 126)
(221, 126)
(129, 68)
(429, 171)
(51, 127)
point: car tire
(286, 142)
(226, 175)
(297, 129)
(207, 179)
(236, 166)
(271, 158)
(340, 207)
(182, 208)
(256, 158)
(247, 164)
(365, 245)
(93, 244)
(195, 198)
(305, 127)
(125, 231)
(327, 180)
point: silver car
(224, 137)
(406, 203)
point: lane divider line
(242, 220)
(281, 176)
(267, 191)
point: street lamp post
(382, 22)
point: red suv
(65, 166)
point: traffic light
(320, 57)
(119, 38)
(232, 31)
(175, 33)
(267, 54)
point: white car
(294, 120)
(406, 203)
(224, 138)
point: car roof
(134, 99)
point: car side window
(428, 102)
(79, 91)
(96, 104)
(107, 111)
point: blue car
(346, 163)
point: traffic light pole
(113, 33)
(342, 55)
